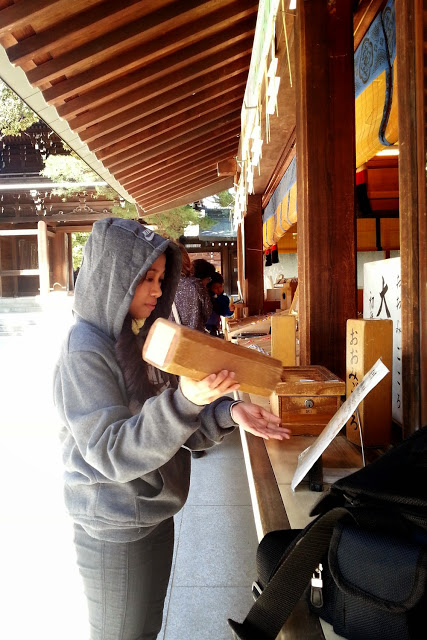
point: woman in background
(193, 304)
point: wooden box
(187, 352)
(306, 398)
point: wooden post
(43, 251)
(59, 259)
(240, 261)
(70, 286)
(254, 277)
(15, 265)
(1, 278)
(411, 80)
(325, 180)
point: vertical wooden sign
(368, 340)
(382, 299)
(283, 339)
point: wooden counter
(270, 466)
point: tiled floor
(214, 562)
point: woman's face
(148, 290)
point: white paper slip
(308, 457)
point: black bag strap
(275, 604)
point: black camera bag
(370, 536)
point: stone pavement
(214, 561)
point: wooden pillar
(15, 265)
(240, 260)
(325, 133)
(43, 252)
(70, 286)
(411, 80)
(59, 262)
(254, 283)
(225, 266)
(1, 278)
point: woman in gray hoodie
(128, 429)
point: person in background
(203, 270)
(220, 304)
(127, 428)
(193, 304)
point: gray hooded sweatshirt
(124, 472)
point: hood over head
(116, 257)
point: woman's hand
(204, 391)
(259, 421)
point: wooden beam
(411, 80)
(19, 272)
(179, 112)
(18, 15)
(112, 106)
(363, 17)
(162, 179)
(325, 181)
(163, 200)
(75, 228)
(74, 26)
(191, 184)
(115, 41)
(178, 49)
(287, 155)
(227, 167)
(152, 191)
(193, 119)
(191, 152)
(230, 119)
(194, 196)
(97, 133)
(24, 232)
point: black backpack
(362, 562)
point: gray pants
(125, 583)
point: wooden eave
(281, 148)
(153, 89)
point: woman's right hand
(208, 389)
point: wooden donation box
(368, 340)
(187, 352)
(306, 398)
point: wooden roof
(154, 88)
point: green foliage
(15, 116)
(224, 199)
(71, 168)
(172, 223)
(78, 243)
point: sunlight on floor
(42, 597)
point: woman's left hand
(204, 391)
(259, 421)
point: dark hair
(217, 278)
(203, 269)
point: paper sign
(308, 457)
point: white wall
(287, 266)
